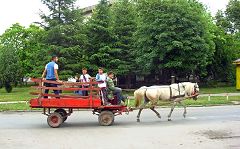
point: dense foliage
(144, 37)
(177, 38)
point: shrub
(8, 87)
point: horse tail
(138, 97)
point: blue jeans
(78, 92)
(118, 92)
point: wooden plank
(60, 95)
(65, 88)
(69, 96)
(65, 103)
(35, 93)
(65, 83)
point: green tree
(61, 11)
(233, 13)
(11, 47)
(24, 45)
(223, 22)
(9, 67)
(123, 27)
(173, 35)
(35, 51)
(227, 42)
(100, 38)
(65, 35)
(224, 55)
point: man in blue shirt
(51, 73)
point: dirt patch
(236, 102)
(217, 134)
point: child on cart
(115, 90)
(85, 77)
(101, 78)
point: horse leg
(140, 110)
(185, 109)
(138, 116)
(172, 108)
(155, 111)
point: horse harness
(179, 93)
(171, 97)
(145, 96)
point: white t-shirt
(102, 77)
(87, 76)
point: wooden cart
(59, 107)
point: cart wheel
(63, 113)
(106, 118)
(55, 120)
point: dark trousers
(56, 92)
(85, 92)
(104, 95)
(118, 92)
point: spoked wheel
(63, 113)
(106, 118)
(54, 120)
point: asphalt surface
(203, 128)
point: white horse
(174, 93)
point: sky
(27, 11)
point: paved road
(211, 127)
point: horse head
(196, 91)
(191, 90)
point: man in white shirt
(85, 77)
(102, 78)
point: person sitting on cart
(51, 73)
(85, 77)
(101, 78)
(116, 90)
(77, 77)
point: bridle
(195, 88)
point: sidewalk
(13, 102)
(220, 94)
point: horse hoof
(138, 120)
(159, 116)
(169, 119)
(184, 116)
